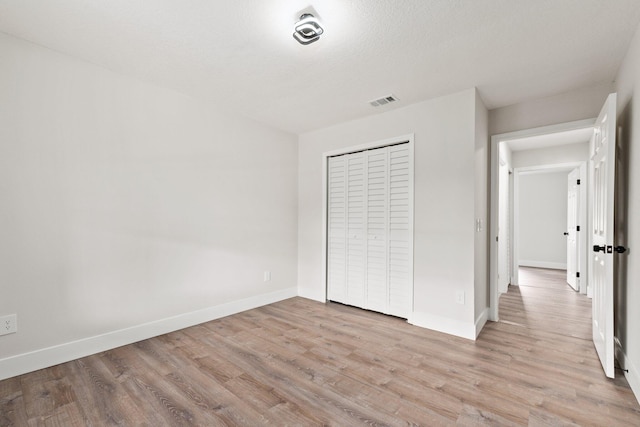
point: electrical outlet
(9, 324)
(267, 276)
(460, 297)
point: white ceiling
(240, 55)
(575, 136)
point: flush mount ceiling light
(307, 30)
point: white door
(377, 230)
(337, 229)
(573, 196)
(504, 272)
(370, 229)
(345, 229)
(356, 232)
(400, 244)
(603, 152)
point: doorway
(549, 220)
(548, 148)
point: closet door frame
(409, 138)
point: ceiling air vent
(384, 100)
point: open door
(602, 165)
(573, 203)
(504, 270)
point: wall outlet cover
(9, 324)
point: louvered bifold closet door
(377, 290)
(356, 222)
(370, 230)
(400, 231)
(337, 230)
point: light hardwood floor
(545, 301)
(299, 362)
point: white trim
(46, 357)
(444, 324)
(549, 168)
(542, 264)
(545, 130)
(633, 374)
(481, 321)
(322, 296)
(493, 231)
(369, 146)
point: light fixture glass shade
(307, 30)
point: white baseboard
(632, 374)
(46, 357)
(543, 264)
(481, 321)
(443, 324)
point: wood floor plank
(298, 385)
(63, 416)
(303, 363)
(472, 416)
(100, 396)
(12, 406)
(211, 396)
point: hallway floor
(544, 301)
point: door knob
(566, 233)
(620, 249)
(597, 248)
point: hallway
(548, 326)
(544, 301)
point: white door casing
(573, 203)
(602, 165)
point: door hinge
(578, 228)
(578, 182)
(496, 238)
(577, 274)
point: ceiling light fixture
(307, 30)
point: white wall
(123, 203)
(566, 107)
(446, 153)
(481, 191)
(627, 294)
(570, 153)
(542, 219)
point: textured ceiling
(240, 55)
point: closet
(370, 229)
